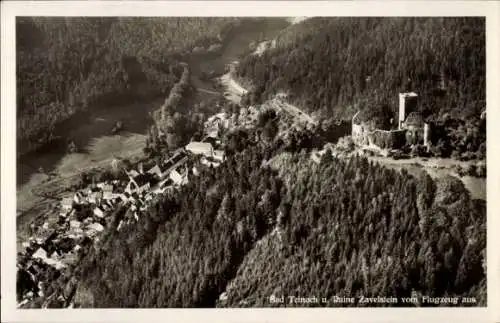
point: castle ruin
(412, 129)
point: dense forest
(334, 67)
(196, 238)
(356, 228)
(271, 222)
(174, 121)
(65, 65)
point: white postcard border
(11, 9)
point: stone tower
(427, 135)
(407, 105)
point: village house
(200, 148)
(95, 197)
(93, 229)
(78, 198)
(160, 171)
(156, 171)
(138, 184)
(177, 178)
(125, 197)
(179, 157)
(213, 133)
(218, 155)
(210, 162)
(67, 204)
(99, 212)
(211, 140)
(217, 123)
(163, 186)
(75, 224)
(107, 192)
(132, 173)
(41, 254)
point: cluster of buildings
(245, 117)
(210, 147)
(55, 247)
(411, 128)
(209, 156)
(84, 214)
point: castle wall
(384, 139)
(391, 139)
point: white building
(67, 203)
(200, 148)
(95, 197)
(40, 254)
(96, 226)
(75, 224)
(208, 163)
(107, 191)
(98, 212)
(177, 178)
(218, 155)
(78, 198)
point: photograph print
(222, 162)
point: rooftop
(196, 145)
(142, 179)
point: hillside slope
(358, 229)
(254, 229)
(334, 67)
(331, 63)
